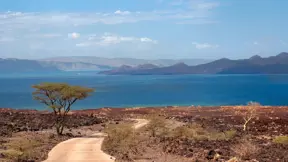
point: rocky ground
(28, 135)
(217, 133)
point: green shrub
(281, 139)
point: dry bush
(197, 132)
(21, 148)
(199, 108)
(157, 126)
(246, 150)
(248, 112)
(122, 142)
(229, 134)
(182, 132)
(281, 139)
(29, 146)
(12, 154)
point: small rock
(2, 155)
(211, 154)
(69, 135)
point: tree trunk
(60, 123)
(59, 129)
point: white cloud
(7, 39)
(43, 35)
(51, 35)
(84, 44)
(37, 20)
(111, 39)
(145, 39)
(119, 12)
(255, 43)
(92, 37)
(74, 35)
(204, 45)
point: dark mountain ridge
(255, 65)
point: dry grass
(281, 139)
(122, 142)
(245, 150)
(196, 132)
(29, 146)
(157, 126)
(230, 134)
(12, 154)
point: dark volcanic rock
(18, 121)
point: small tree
(156, 125)
(60, 97)
(248, 113)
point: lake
(130, 91)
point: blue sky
(143, 28)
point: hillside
(255, 65)
(74, 66)
(18, 65)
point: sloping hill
(18, 65)
(255, 65)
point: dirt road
(84, 149)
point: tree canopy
(60, 97)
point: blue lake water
(129, 91)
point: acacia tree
(248, 113)
(60, 97)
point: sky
(149, 29)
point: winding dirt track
(85, 149)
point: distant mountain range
(117, 62)
(86, 63)
(255, 65)
(74, 66)
(127, 66)
(18, 66)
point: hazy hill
(74, 66)
(255, 65)
(117, 62)
(18, 65)
(129, 69)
